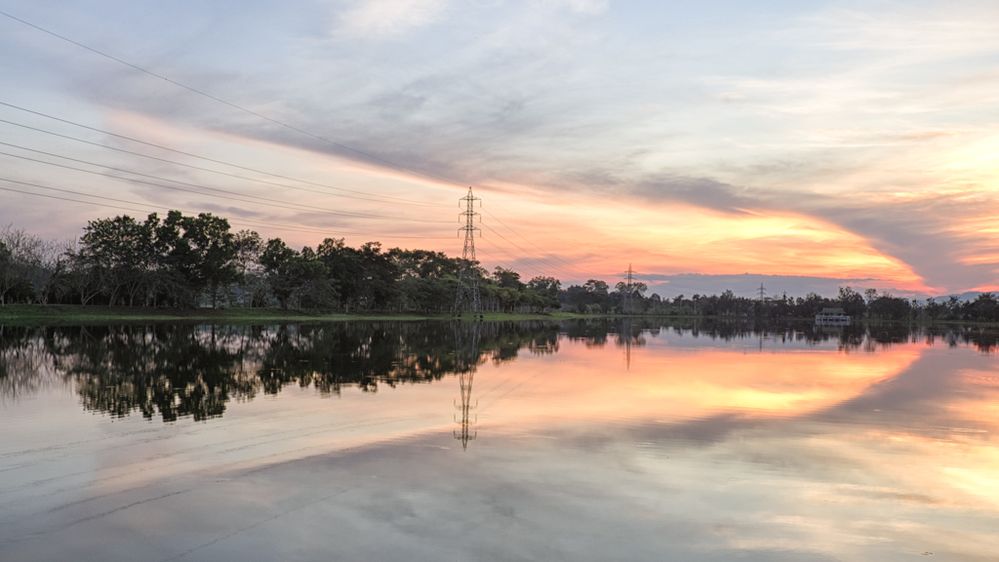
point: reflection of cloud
(921, 398)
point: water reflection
(592, 440)
(177, 370)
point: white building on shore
(832, 317)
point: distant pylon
(467, 295)
(763, 293)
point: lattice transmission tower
(629, 289)
(467, 297)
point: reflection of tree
(177, 370)
(22, 362)
(172, 370)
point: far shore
(79, 314)
(62, 313)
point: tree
(6, 272)
(345, 269)
(426, 281)
(546, 289)
(277, 260)
(870, 295)
(297, 277)
(379, 274)
(507, 278)
(984, 308)
(852, 302)
(887, 307)
(211, 251)
(596, 287)
(248, 267)
(118, 254)
(26, 267)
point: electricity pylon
(629, 288)
(467, 295)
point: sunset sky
(807, 144)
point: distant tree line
(596, 297)
(181, 261)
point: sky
(711, 145)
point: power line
(105, 205)
(271, 202)
(522, 249)
(509, 228)
(200, 168)
(530, 269)
(127, 171)
(233, 105)
(148, 207)
(363, 195)
(527, 270)
(195, 90)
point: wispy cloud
(588, 7)
(385, 18)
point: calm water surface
(499, 441)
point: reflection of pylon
(626, 329)
(465, 433)
(466, 360)
(627, 354)
(467, 295)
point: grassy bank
(25, 313)
(76, 314)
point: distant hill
(963, 297)
(748, 285)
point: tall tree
(119, 253)
(201, 249)
(277, 259)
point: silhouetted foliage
(189, 261)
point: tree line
(182, 261)
(596, 296)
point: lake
(577, 440)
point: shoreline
(60, 313)
(63, 314)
